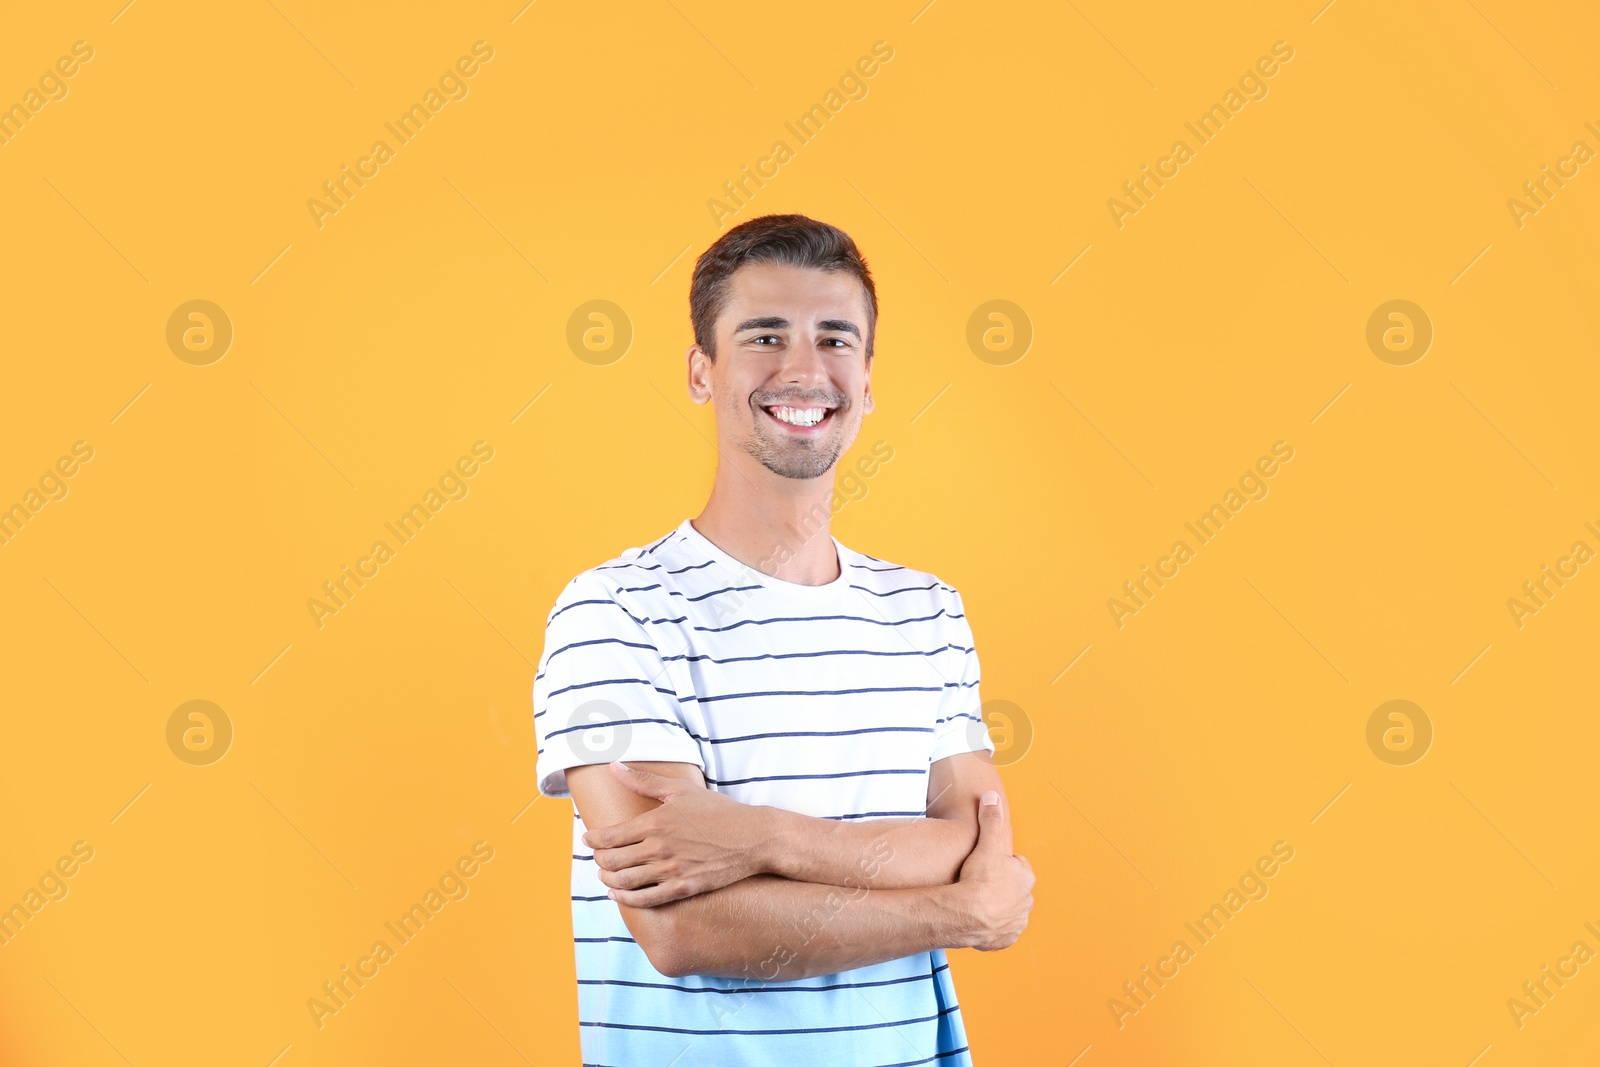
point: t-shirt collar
(794, 589)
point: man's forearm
(770, 929)
(905, 851)
(695, 840)
(894, 853)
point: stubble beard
(795, 458)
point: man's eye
(840, 341)
(765, 337)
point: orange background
(368, 354)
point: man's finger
(632, 878)
(994, 829)
(648, 898)
(624, 833)
(657, 786)
(620, 859)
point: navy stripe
(646, 647)
(907, 589)
(657, 543)
(684, 570)
(686, 596)
(756, 737)
(581, 603)
(760, 737)
(877, 814)
(816, 733)
(752, 659)
(799, 777)
(827, 692)
(794, 1030)
(767, 988)
(814, 655)
(612, 681)
(817, 618)
(618, 722)
(714, 592)
(602, 641)
(764, 622)
(692, 698)
(652, 567)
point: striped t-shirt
(829, 700)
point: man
(785, 806)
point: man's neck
(785, 534)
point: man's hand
(996, 887)
(695, 841)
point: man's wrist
(955, 919)
(774, 849)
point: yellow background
(370, 353)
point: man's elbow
(662, 936)
(669, 959)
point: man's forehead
(778, 290)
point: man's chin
(796, 460)
(799, 475)
(805, 470)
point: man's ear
(866, 399)
(699, 370)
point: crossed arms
(710, 886)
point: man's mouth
(800, 419)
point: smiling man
(784, 804)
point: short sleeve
(960, 727)
(603, 691)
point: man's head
(785, 314)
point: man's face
(790, 383)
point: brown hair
(793, 240)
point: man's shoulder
(625, 577)
(897, 583)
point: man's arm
(925, 851)
(697, 840)
(767, 928)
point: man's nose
(803, 364)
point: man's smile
(806, 419)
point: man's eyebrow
(770, 322)
(775, 322)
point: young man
(785, 807)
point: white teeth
(799, 416)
